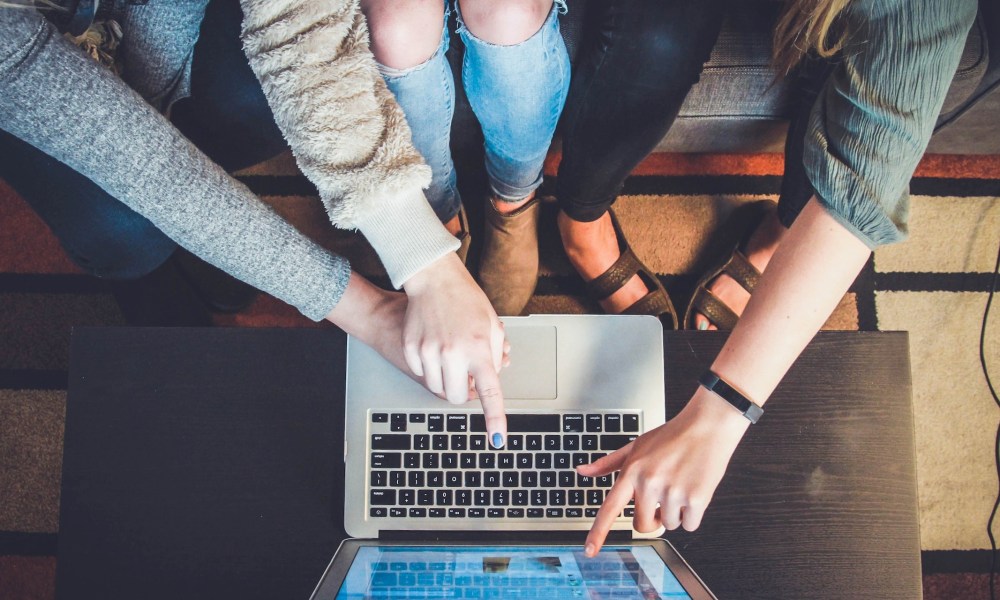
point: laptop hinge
(556, 537)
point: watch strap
(713, 383)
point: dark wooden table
(207, 464)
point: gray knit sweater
(369, 176)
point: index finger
(619, 495)
(491, 396)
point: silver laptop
(578, 387)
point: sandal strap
(708, 304)
(655, 303)
(742, 271)
(615, 277)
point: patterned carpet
(933, 285)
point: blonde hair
(804, 26)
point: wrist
(442, 271)
(708, 408)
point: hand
(677, 465)
(453, 338)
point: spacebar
(518, 423)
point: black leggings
(637, 62)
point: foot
(592, 248)
(508, 266)
(759, 250)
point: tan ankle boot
(508, 268)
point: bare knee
(504, 23)
(404, 33)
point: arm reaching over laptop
(351, 140)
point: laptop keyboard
(441, 465)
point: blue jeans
(516, 92)
(228, 118)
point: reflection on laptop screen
(504, 572)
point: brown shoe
(508, 268)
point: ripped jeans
(517, 94)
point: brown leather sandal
(736, 265)
(656, 302)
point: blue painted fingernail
(497, 440)
(703, 325)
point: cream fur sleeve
(347, 133)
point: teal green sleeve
(875, 115)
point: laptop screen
(551, 572)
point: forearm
(79, 113)
(805, 280)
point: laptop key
(519, 497)
(495, 513)
(453, 479)
(589, 442)
(501, 497)
(487, 460)
(411, 460)
(539, 497)
(576, 498)
(552, 442)
(382, 498)
(473, 479)
(595, 497)
(543, 460)
(415, 479)
(397, 479)
(439, 442)
(533, 442)
(436, 513)
(425, 497)
(431, 460)
(529, 479)
(520, 423)
(515, 442)
(571, 442)
(387, 460)
(614, 442)
(560, 460)
(548, 479)
(630, 423)
(590, 513)
(397, 512)
(612, 423)
(505, 460)
(535, 513)
(390, 441)
(482, 497)
(435, 479)
(418, 513)
(449, 460)
(523, 460)
(380, 417)
(574, 513)
(572, 423)
(397, 422)
(435, 423)
(477, 513)
(477, 442)
(407, 497)
(418, 418)
(567, 479)
(378, 478)
(378, 512)
(554, 513)
(422, 442)
(463, 497)
(557, 497)
(443, 498)
(491, 479)
(457, 423)
(459, 441)
(595, 423)
(515, 513)
(456, 513)
(510, 479)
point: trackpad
(532, 371)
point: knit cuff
(406, 234)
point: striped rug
(672, 210)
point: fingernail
(702, 325)
(497, 440)
(589, 550)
